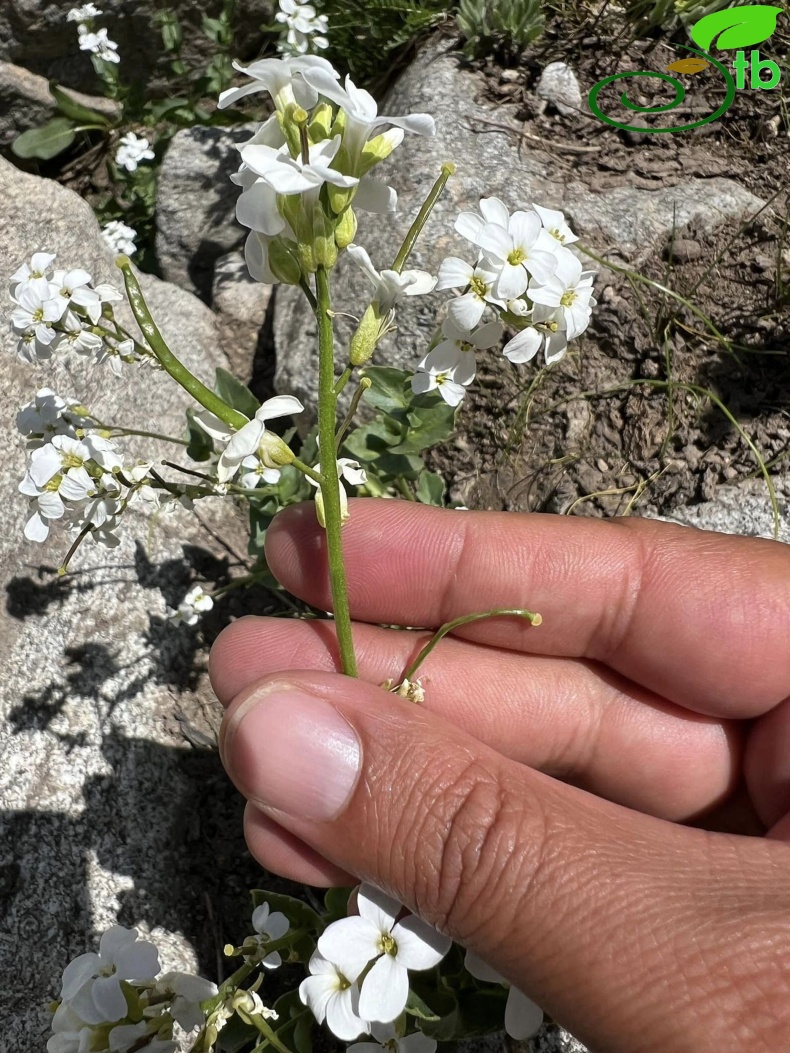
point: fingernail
(290, 750)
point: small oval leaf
(45, 142)
(737, 27)
(687, 65)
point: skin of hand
(598, 807)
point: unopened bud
(283, 264)
(366, 337)
(273, 452)
(299, 115)
(340, 198)
(346, 229)
(339, 125)
(324, 247)
(379, 148)
(321, 122)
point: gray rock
(559, 85)
(196, 205)
(743, 509)
(97, 800)
(489, 162)
(36, 34)
(26, 102)
(240, 304)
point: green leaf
(336, 903)
(737, 27)
(431, 421)
(416, 1007)
(237, 395)
(430, 488)
(369, 441)
(300, 915)
(74, 110)
(389, 388)
(436, 1008)
(201, 445)
(47, 141)
(303, 1034)
(164, 107)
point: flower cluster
(524, 272)
(91, 37)
(58, 310)
(309, 163)
(120, 237)
(115, 1000)
(196, 602)
(133, 149)
(305, 29)
(359, 974)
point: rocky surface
(196, 205)
(98, 787)
(240, 304)
(26, 102)
(628, 220)
(36, 34)
(744, 509)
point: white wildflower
(98, 43)
(83, 14)
(447, 370)
(555, 224)
(120, 237)
(195, 603)
(521, 249)
(33, 314)
(132, 150)
(269, 925)
(569, 291)
(393, 946)
(34, 275)
(189, 992)
(467, 310)
(390, 285)
(92, 982)
(253, 439)
(257, 473)
(72, 289)
(288, 175)
(283, 79)
(348, 469)
(306, 29)
(332, 995)
(522, 1017)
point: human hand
(531, 808)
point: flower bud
(346, 229)
(339, 124)
(320, 123)
(283, 264)
(367, 336)
(340, 198)
(324, 247)
(274, 452)
(379, 148)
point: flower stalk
(327, 412)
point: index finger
(700, 618)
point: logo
(737, 27)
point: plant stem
(364, 384)
(177, 370)
(422, 217)
(327, 410)
(311, 473)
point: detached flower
(522, 1017)
(393, 946)
(332, 994)
(132, 150)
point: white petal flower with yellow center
(390, 285)
(332, 995)
(467, 310)
(521, 249)
(393, 946)
(283, 78)
(251, 440)
(70, 288)
(196, 602)
(555, 224)
(189, 992)
(133, 149)
(269, 925)
(569, 291)
(92, 982)
(34, 275)
(34, 314)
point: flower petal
(522, 1017)
(420, 946)
(384, 991)
(350, 944)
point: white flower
(46, 504)
(555, 224)
(189, 992)
(305, 28)
(467, 310)
(569, 290)
(393, 946)
(64, 457)
(34, 275)
(78, 337)
(84, 13)
(465, 343)
(44, 416)
(69, 288)
(92, 982)
(71, 1035)
(251, 439)
(98, 43)
(348, 469)
(269, 926)
(361, 111)
(288, 175)
(332, 994)
(282, 78)
(521, 249)
(120, 237)
(524, 345)
(195, 603)
(522, 1017)
(256, 473)
(33, 314)
(248, 1004)
(132, 150)
(386, 1038)
(444, 369)
(391, 285)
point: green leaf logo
(737, 27)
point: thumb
(605, 917)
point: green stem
(467, 619)
(311, 473)
(142, 434)
(177, 370)
(271, 1035)
(364, 384)
(422, 217)
(327, 410)
(343, 379)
